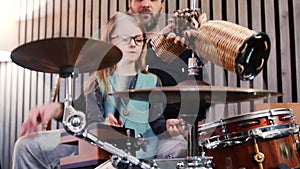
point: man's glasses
(125, 39)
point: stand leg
(193, 159)
(192, 141)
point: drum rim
(242, 117)
(244, 136)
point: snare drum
(262, 139)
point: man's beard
(152, 22)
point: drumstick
(53, 99)
(117, 113)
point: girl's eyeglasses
(125, 39)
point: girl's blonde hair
(106, 34)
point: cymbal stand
(75, 119)
(194, 161)
(75, 122)
(193, 67)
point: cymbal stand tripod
(75, 121)
(193, 159)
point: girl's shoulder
(148, 75)
(150, 78)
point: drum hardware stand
(141, 143)
(128, 142)
(297, 138)
(297, 132)
(193, 160)
(193, 67)
(224, 130)
(75, 122)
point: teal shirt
(136, 114)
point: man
(171, 73)
(150, 12)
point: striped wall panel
(22, 89)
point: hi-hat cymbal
(49, 55)
(194, 93)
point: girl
(129, 73)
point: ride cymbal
(193, 93)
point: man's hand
(183, 39)
(170, 35)
(174, 126)
(187, 35)
(41, 115)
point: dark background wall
(22, 89)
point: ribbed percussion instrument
(183, 20)
(165, 50)
(233, 47)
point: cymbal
(193, 93)
(49, 55)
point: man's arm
(157, 120)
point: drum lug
(224, 130)
(271, 118)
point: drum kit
(263, 139)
